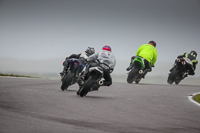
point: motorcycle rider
(84, 55)
(104, 58)
(193, 57)
(149, 53)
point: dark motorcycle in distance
(135, 75)
(93, 80)
(179, 71)
(73, 73)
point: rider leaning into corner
(103, 57)
(149, 53)
(85, 54)
(193, 58)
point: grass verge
(197, 98)
(13, 75)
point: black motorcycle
(93, 80)
(73, 73)
(179, 71)
(137, 70)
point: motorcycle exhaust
(101, 82)
(178, 60)
(185, 74)
(183, 63)
(141, 71)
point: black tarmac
(39, 106)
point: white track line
(191, 98)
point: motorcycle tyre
(137, 81)
(177, 82)
(67, 81)
(132, 74)
(172, 76)
(87, 86)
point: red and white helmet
(106, 47)
(153, 43)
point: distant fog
(53, 67)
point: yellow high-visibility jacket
(148, 52)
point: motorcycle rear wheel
(137, 81)
(132, 74)
(67, 81)
(177, 82)
(172, 76)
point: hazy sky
(46, 31)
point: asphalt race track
(39, 106)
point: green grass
(13, 75)
(197, 98)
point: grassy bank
(13, 75)
(197, 98)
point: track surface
(38, 105)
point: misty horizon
(36, 36)
(53, 67)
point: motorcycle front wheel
(87, 86)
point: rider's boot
(65, 68)
(171, 69)
(173, 66)
(85, 72)
(62, 73)
(78, 92)
(130, 67)
(80, 82)
(82, 77)
(145, 72)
